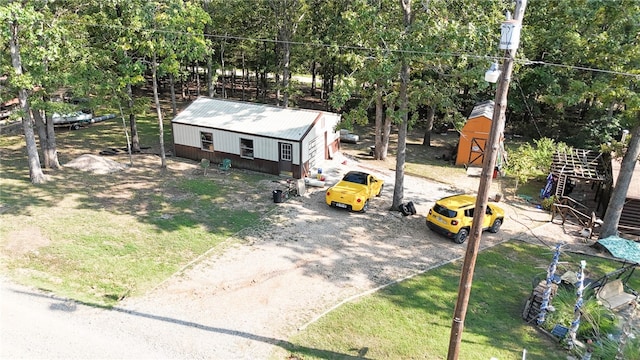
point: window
(246, 148)
(444, 211)
(206, 141)
(285, 152)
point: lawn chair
(225, 164)
(204, 164)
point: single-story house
(256, 137)
(474, 136)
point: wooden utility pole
(488, 165)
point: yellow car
(452, 216)
(354, 191)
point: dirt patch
(95, 164)
(24, 241)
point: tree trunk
(619, 193)
(386, 134)
(172, 86)
(210, 86)
(398, 191)
(42, 135)
(264, 72)
(426, 140)
(378, 122)
(314, 71)
(383, 127)
(35, 171)
(257, 83)
(197, 79)
(156, 99)
(52, 146)
(244, 77)
(233, 82)
(135, 140)
(47, 140)
(224, 88)
(286, 58)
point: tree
(14, 14)
(289, 14)
(117, 53)
(398, 191)
(176, 31)
(582, 108)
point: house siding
(309, 133)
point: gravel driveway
(239, 303)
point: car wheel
(365, 207)
(380, 192)
(461, 236)
(496, 226)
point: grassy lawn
(100, 238)
(412, 320)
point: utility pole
(488, 165)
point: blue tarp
(628, 250)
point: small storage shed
(254, 136)
(474, 136)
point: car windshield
(444, 211)
(358, 178)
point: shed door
(286, 157)
(476, 152)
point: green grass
(413, 319)
(100, 238)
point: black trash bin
(278, 196)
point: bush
(548, 202)
(529, 162)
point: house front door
(286, 158)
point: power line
(574, 67)
(370, 49)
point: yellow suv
(452, 217)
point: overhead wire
(370, 49)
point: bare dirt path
(241, 303)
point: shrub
(528, 162)
(548, 202)
(595, 321)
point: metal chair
(225, 164)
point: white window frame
(206, 141)
(286, 152)
(246, 148)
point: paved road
(39, 326)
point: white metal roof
(248, 118)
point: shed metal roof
(484, 109)
(248, 118)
